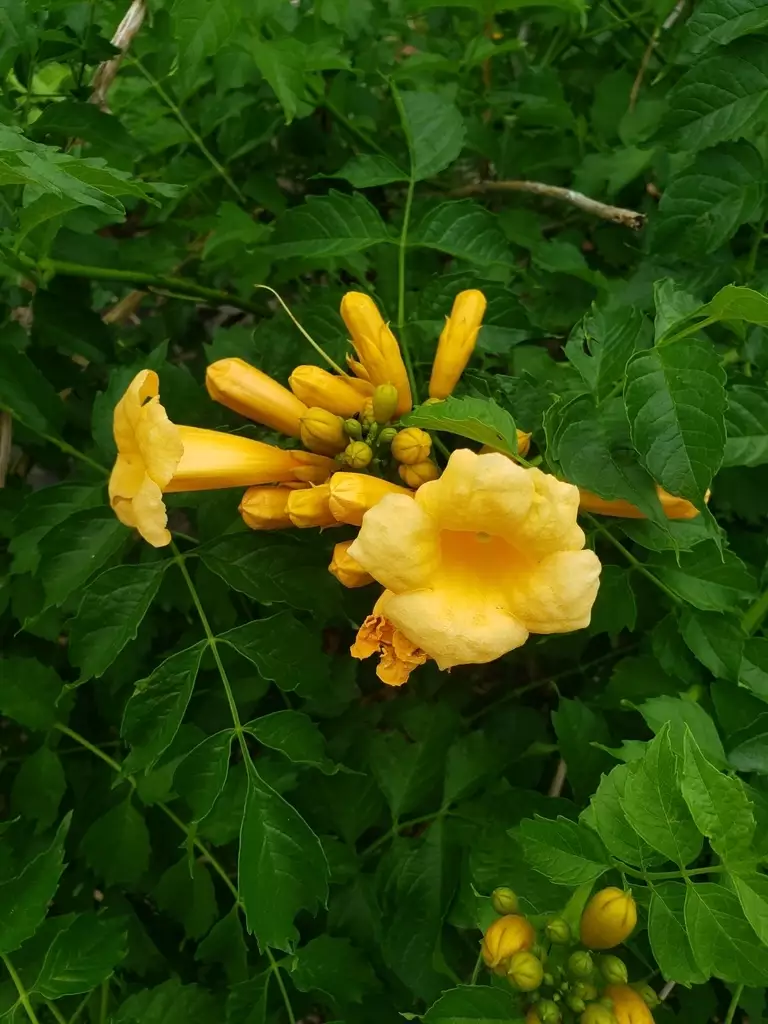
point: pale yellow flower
(457, 342)
(310, 507)
(474, 562)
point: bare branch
(556, 787)
(122, 39)
(618, 214)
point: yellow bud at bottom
(346, 570)
(311, 507)
(421, 473)
(595, 1013)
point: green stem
(636, 564)
(396, 829)
(79, 1009)
(476, 971)
(104, 1002)
(56, 441)
(342, 118)
(196, 138)
(663, 876)
(749, 270)
(734, 1004)
(55, 1012)
(401, 264)
(320, 351)
(23, 997)
(281, 985)
(754, 615)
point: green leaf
(69, 119)
(716, 641)
(719, 804)
(225, 944)
(752, 890)
(608, 819)
(615, 608)
(676, 402)
(712, 24)
(703, 205)
(724, 943)
(281, 62)
(370, 171)
(73, 551)
(332, 225)
(247, 1002)
(464, 229)
(681, 716)
(705, 578)
(200, 776)
(565, 852)
(170, 1003)
(39, 787)
(282, 867)
(669, 940)
(25, 898)
(737, 303)
(476, 1005)
(335, 967)
(201, 29)
(82, 956)
(27, 393)
(602, 343)
(479, 419)
(746, 424)
(110, 614)
(578, 727)
(116, 845)
(29, 691)
(283, 649)
(654, 804)
(41, 512)
(721, 98)
(156, 708)
(435, 132)
(185, 891)
(296, 736)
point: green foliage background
(210, 812)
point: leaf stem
(63, 446)
(636, 564)
(397, 828)
(275, 967)
(55, 1012)
(663, 876)
(754, 615)
(476, 970)
(104, 1002)
(23, 996)
(734, 1004)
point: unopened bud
(353, 429)
(548, 979)
(613, 970)
(358, 455)
(412, 445)
(421, 473)
(548, 1011)
(367, 418)
(575, 1004)
(646, 993)
(558, 931)
(387, 435)
(585, 990)
(525, 971)
(504, 901)
(323, 432)
(596, 1013)
(580, 964)
(385, 401)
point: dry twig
(122, 39)
(556, 787)
(618, 214)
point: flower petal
(398, 544)
(557, 596)
(159, 442)
(149, 512)
(551, 523)
(145, 385)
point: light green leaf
(464, 229)
(25, 899)
(435, 132)
(676, 402)
(752, 890)
(116, 845)
(724, 943)
(370, 171)
(335, 967)
(156, 708)
(655, 806)
(283, 649)
(82, 956)
(110, 614)
(737, 303)
(201, 776)
(332, 225)
(669, 940)
(479, 419)
(563, 851)
(73, 551)
(600, 346)
(282, 867)
(201, 29)
(718, 642)
(296, 736)
(712, 23)
(746, 424)
(610, 822)
(706, 578)
(476, 1005)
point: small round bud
(367, 419)
(385, 401)
(353, 429)
(548, 979)
(322, 432)
(596, 1013)
(358, 455)
(580, 964)
(558, 931)
(525, 971)
(608, 919)
(504, 901)
(575, 1004)
(585, 990)
(387, 435)
(421, 473)
(548, 1011)
(613, 970)
(646, 993)
(412, 445)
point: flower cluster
(558, 978)
(472, 558)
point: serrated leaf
(281, 869)
(675, 401)
(185, 891)
(669, 940)
(737, 303)
(681, 716)
(564, 851)
(600, 346)
(716, 641)
(332, 225)
(201, 29)
(41, 512)
(479, 419)
(370, 171)
(296, 736)
(283, 649)
(156, 708)
(746, 424)
(82, 956)
(39, 787)
(73, 551)
(712, 23)
(25, 899)
(27, 393)
(578, 729)
(752, 890)
(464, 229)
(706, 578)
(476, 1005)
(29, 691)
(281, 62)
(435, 132)
(201, 776)
(335, 967)
(611, 823)
(116, 845)
(110, 614)
(724, 943)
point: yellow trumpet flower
(344, 396)
(457, 342)
(246, 390)
(378, 354)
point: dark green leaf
(283, 649)
(29, 691)
(476, 418)
(435, 131)
(117, 845)
(296, 736)
(335, 967)
(332, 225)
(603, 342)
(716, 641)
(185, 891)
(368, 171)
(464, 229)
(82, 956)
(478, 1005)
(39, 788)
(225, 944)
(201, 28)
(201, 775)
(577, 727)
(73, 551)
(706, 578)
(714, 24)
(746, 422)
(724, 944)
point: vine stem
(23, 996)
(55, 1011)
(67, 449)
(636, 564)
(734, 1004)
(377, 843)
(318, 348)
(281, 985)
(663, 876)
(755, 614)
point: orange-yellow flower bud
(421, 473)
(358, 455)
(346, 570)
(264, 508)
(505, 937)
(628, 1006)
(457, 342)
(525, 971)
(309, 507)
(411, 445)
(317, 387)
(376, 346)
(385, 399)
(608, 919)
(352, 494)
(323, 432)
(673, 508)
(248, 391)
